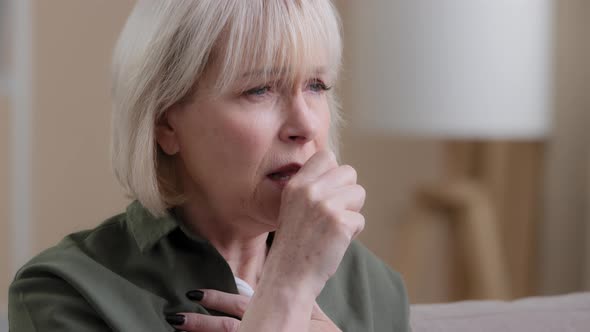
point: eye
(317, 85)
(258, 91)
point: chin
(271, 218)
(270, 215)
(266, 206)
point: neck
(243, 248)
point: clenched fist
(319, 216)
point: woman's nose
(301, 122)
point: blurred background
(468, 122)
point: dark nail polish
(175, 319)
(195, 295)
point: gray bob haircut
(167, 45)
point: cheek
(247, 135)
(237, 144)
(324, 122)
(213, 142)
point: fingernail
(195, 295)
(175, 319)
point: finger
(337, 177)
(194, 322)
(351, 197)
(318, 164)
(355, 222)
(231, 304)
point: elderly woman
(224, 132)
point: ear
(166, 135)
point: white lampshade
(451, 68)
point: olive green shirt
(132, 270)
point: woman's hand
(235, 305)
(318, 218)
(320, 322)
(231, 304)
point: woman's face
(235, 152)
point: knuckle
(193, 323)
(327, 210)
(350, 171)
(294, 183)
(210, 297)
(229, 325)
(290, 187)
(353, 224)
(293, 188)
(310, 192)
(359, 225)
(361, 222)
(240, 306)
(362, 191)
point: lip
(288, 168)
(281, 175)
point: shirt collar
(146, 228)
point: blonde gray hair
(166, 46)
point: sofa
(563, 313)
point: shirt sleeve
(47, 303)
(401, 318)
(365, 294)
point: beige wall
(4, 199)
(587, 80)
(563, 260)
(391, 170)
(73, 187)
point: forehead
(288, 39)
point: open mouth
(284, 173)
